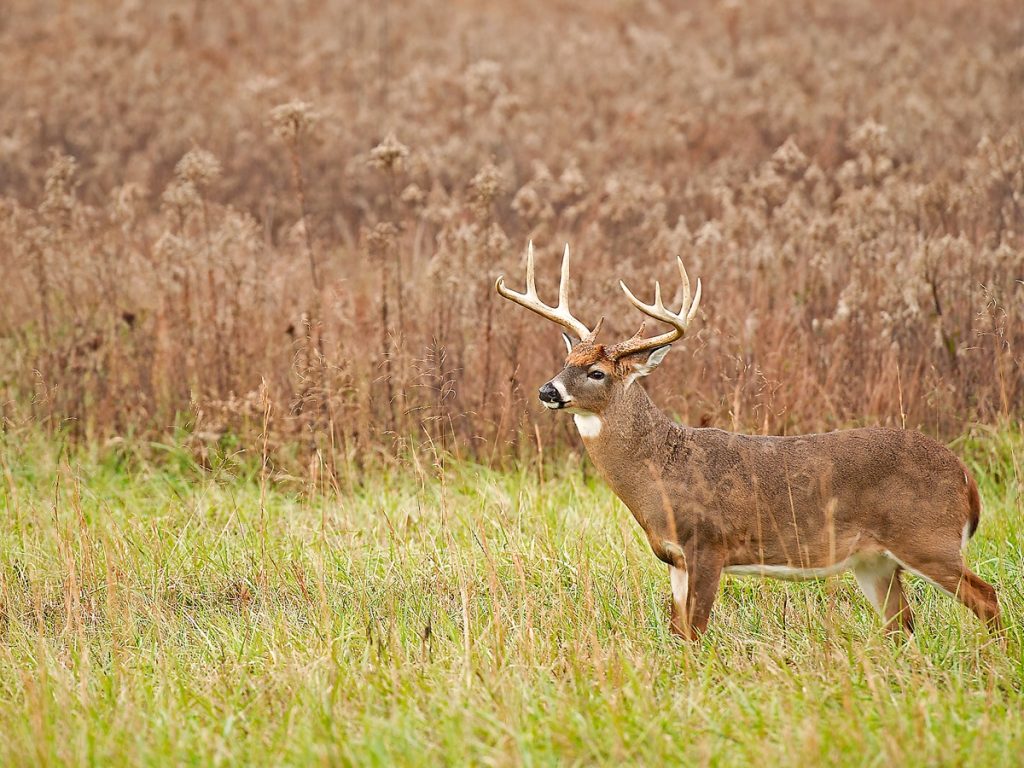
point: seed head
(413, 196)
(871, 138)
(126, 202)
(789, 160)
(389, 154)
(181, 196)
(380, 238)
(199, 167)
(59, 191)
(485, 186)
(293, 119)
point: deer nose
(548, 394)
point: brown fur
(879, 499)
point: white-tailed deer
(874, 501)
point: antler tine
(563, 281)
(559, 314)
(531, 282)
(678, 320)
(686, 284)
(694, 305)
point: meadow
(156, 612)
(276, 487)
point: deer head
(596, 374)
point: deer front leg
(680, 580)
(694, 581)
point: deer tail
(973, 505)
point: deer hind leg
(980, 596)
(879, 579)
(952, 575)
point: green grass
(151, 613)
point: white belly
(788, 572)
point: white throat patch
(588, 424)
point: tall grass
(159, 613)
(208, 210)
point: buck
(875, 501)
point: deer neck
(624, 440)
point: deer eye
(596, 375)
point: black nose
(549, 394)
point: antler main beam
(678, 320)
(559, 314)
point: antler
(559, 314)
(679, 321)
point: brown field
(214, 215)
(275, 487)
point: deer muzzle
(551, 397)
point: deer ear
(653, 360)
(568, 342)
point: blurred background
(279, 225)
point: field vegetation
(169, 614)
(275, 485)
(315, 198)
